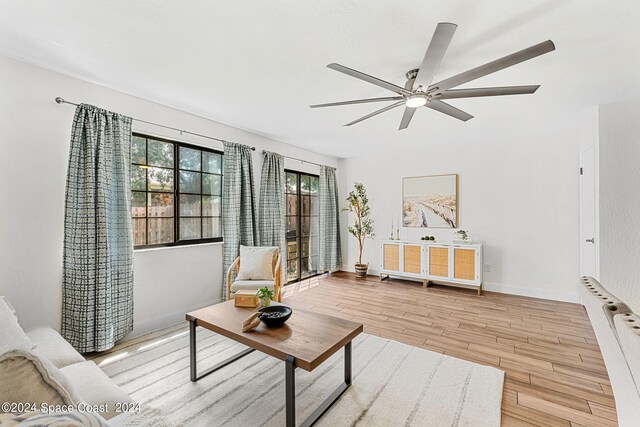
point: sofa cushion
(25, 377)
(12, 337)
(54, 419)
(11, 308)
(250, 285)
(256, 262)
(95, 387)
(50, 345)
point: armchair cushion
(256, 262)
(250, 285)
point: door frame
(596, 197)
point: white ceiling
(257, 65)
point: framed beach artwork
(430, 201)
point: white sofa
(617, 329)
(45, 359)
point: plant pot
(361, 270)
(266, 302)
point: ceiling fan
(419, 91)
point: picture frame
(430, 201)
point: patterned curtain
(330, 256)
(238, 205)
(97, 288)
(271, 209)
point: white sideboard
(443, 263)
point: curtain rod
(60, 100)
(295, 158)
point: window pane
(305, 225)
(304, 184)
(189, 159)
(138, 150)
(212, 184)
(314, 185)
(292, 226)
(160, 230)
(211, 162)
(304, 267)
(190, 182)
(160, 179)
(211, 228)
(211, 206)
(160, 204)
(304, 247)
(189, 206)
(306, 208)
(138, 178)
(292, 180)
(189, 228)
(315, 207)
(292, 249)
(160, 153)
(138, 204)
(139, 232)
(292, 204)
(292, 270)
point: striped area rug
(394, 384)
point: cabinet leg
(480, 290)
(426, 283)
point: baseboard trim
(165, 320)
(504, 289)
(530, 292)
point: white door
(588, 213)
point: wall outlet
(487, 268)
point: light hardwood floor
(555, 375)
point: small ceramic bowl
(275, 315)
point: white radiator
(618, 331)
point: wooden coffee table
(305, 341)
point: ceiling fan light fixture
(416, 100)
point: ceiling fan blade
(487, 91)
(449, 110)
(375, 113)
(435, 52)
(357, 101)
(493, 66)
(406, 117)
(367, 78)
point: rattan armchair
(246, 285)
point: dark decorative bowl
(275, 315)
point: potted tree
(363, 225)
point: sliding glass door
(302, 225)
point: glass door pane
(302, 224)
(293, 225)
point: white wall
(517, 195)
(35, 133)
(620, 200)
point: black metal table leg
(290, 386)
(347, 363)
(192, 349)
(192, 355)
(328, 402)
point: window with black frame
(176, 192)
(302, 225)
